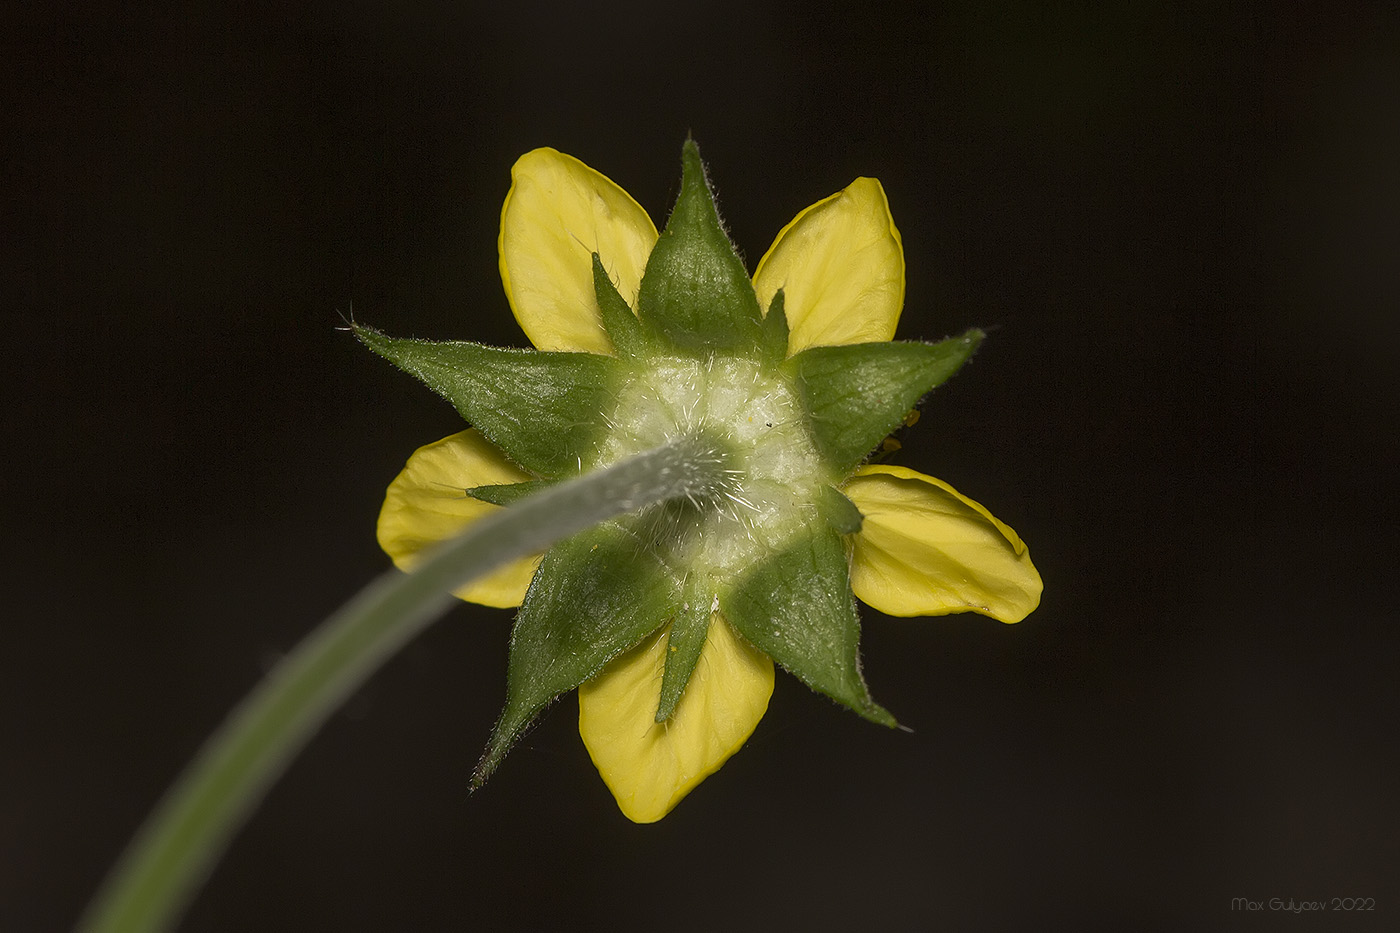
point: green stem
(180, 842)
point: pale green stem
(180, 842)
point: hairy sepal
(797, 607)
(595, 595)
(624, 330)
(543, 409)
(685, 641)
(696, 296)
(858, 393)
(840, 513)
(506, 493)
(775, 330)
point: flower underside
(668, 620)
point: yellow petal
(557, 214)
(651, 766)
(426, 504)
(926, 550)
(840, 264)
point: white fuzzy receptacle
(758, 419)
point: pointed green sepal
(840, 513)
(775, 329)
(595, 595)
(543, 409)
(618, 320)
(685, 642)
(506, 493)
(696, 296)
(858, 393)
(797, 607)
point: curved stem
(182, 839)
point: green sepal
(618, 320)
(775, 329)
(696, 296)
(858, 393)
(797, 607)
(506, 493)
(543, 409)
(685, 641)
(840, 513)
(595, 595)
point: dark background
(1181, 227)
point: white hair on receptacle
(776, 474)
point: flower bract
(668, 622)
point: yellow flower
(921, 548)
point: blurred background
(1182, 229)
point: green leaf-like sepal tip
(506, 493)
(858, 393)
(595, 595)
(622, 325)
(775, 329)
(797, 607)
(840, 513)
(696, 296)
(685, 641)
(543, 409)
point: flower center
(757, 418)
